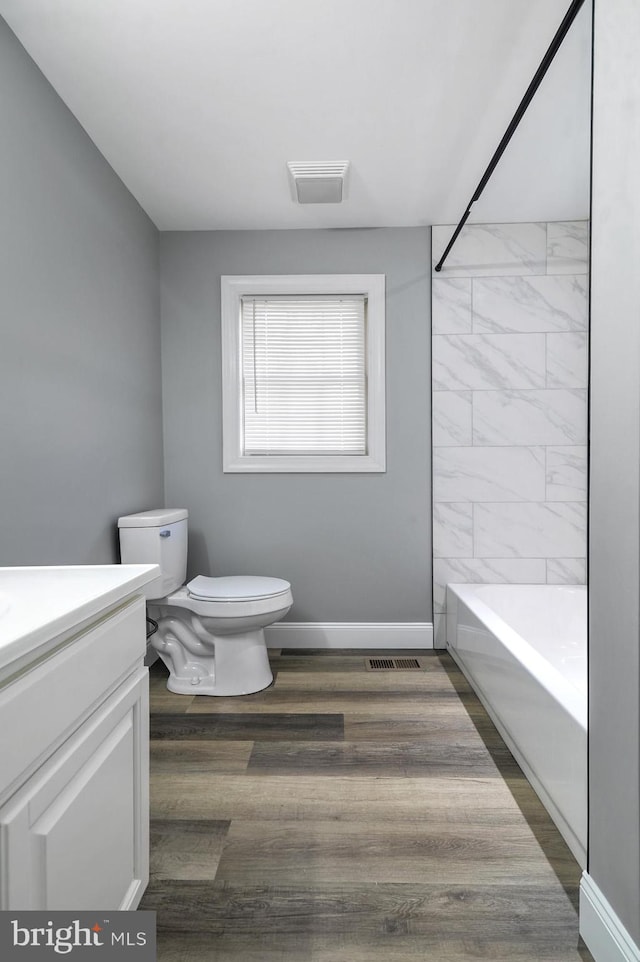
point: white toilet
(210, 631)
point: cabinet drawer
(42, 707)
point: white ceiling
(199, 104)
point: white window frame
(233, 289)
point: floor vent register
(393, 664)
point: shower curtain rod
(561, 33)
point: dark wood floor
(345, 815)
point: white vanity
(73, 737)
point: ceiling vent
(318, 182)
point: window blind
(304, 382)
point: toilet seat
(236, 588)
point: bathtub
(523, 648)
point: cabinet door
(49, 701)
(75, 836)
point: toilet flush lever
(165, 534)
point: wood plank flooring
(345, 815)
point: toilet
(210, 631)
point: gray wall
(80, 431)
(355, 547)
(614, 556)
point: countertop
(40, 605)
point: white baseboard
(349, 634)
(600, 927)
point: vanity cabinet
(74, 770)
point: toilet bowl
(212, 639)
(210, 632)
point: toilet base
(200, 663)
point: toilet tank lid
(156, 518)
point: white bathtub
(524, 650)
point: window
(303, 373)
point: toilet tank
(157, 537)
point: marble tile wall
(509, 380)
